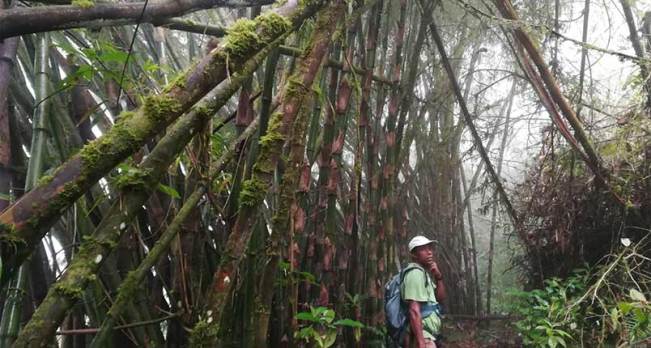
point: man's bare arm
(416, 323)
(440, 292)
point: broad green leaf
(306, 316)
(563, 333)
(625, 307)
(113, 56)
(349, 323)
(169, 191)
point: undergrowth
(607, 306)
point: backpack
(395, 309)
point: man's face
(423, 254)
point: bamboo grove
(202, 181)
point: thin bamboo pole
(11, 316)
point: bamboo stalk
(255, 188)
(11, 316)
(594, 161)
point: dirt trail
(471, 333)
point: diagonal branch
(28, 20)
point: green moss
(252, 193)
(75, 281)
(270, 145)
(247, 35)
(272, 25)
(83, 3)
(133, 178)
(203, 110)
(273, 134)
(6, 229)
(125, 115)
(179, 81)
(44, 180)
(126, 136)
(242, 38)
(92, 243)
(127, 290)
(159, 107)
(295, 87)
(8, 237)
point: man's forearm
(440, 292)
(416, 324)
(438, 278)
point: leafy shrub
(320, 327)
(588, 309)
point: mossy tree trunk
(254, 190)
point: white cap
(419, 241)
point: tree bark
(29, 20)
(7, 55)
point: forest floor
(460, 333)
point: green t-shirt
(414, 289)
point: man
(422, 289)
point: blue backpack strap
(427, 309)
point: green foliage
(295, 275)
(603, 307)
(321, 328)
(168, 190)
(546, 320)
(103, 59)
